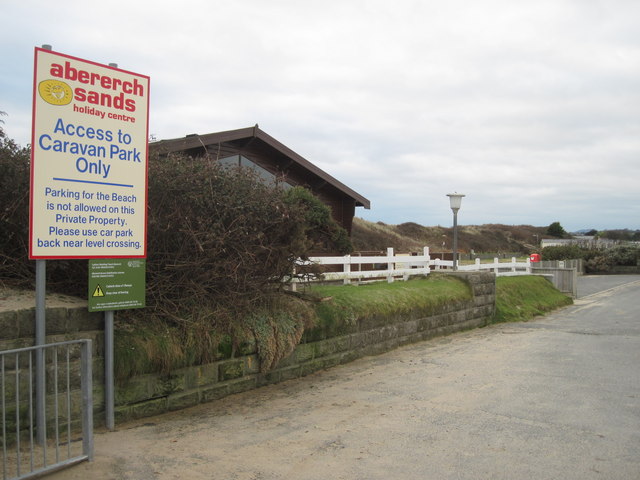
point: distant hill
(412, 237)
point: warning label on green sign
(98, 292)
(116, 284)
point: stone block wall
(151, 394)
(71, 322)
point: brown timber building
(253, 148)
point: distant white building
(586, 241)
(556, 242)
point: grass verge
(421, 294)
(523, 297)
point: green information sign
(116, 284)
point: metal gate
(47, 423)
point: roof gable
(242, 138)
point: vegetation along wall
(320, 348)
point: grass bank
(518, 298)
(522, 298)
(346, 304)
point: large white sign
(89, 159)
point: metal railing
(577, 264)
(68, 408)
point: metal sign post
(114, 284)
(41, 280)
(109, 384)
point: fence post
(294, 285)
(87, 399)
(391, 266)
(513, 264)
(496, 266)
(427, 259)
(478, 264)
(347, 269)
(529, 271)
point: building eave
(195, 141)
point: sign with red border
(88, 160)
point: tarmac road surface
(554, 398)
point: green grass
(518, 298)
(521, 298)
(349, 303)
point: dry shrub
(221, 243)
(14, 213)
(277, 328)
(217, 237)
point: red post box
(534, 257)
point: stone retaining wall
(152, 394)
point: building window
(265, 175)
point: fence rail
(500, 268)
(26, 452)
(577, 264)
(399, 267)
(393, 267)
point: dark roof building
(251, 147)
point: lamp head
(455, 200)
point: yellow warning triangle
(98, 292)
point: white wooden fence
(402, 266)
(501, 269)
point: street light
(455, 200)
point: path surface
(590, 284)
(555, 398)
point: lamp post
(455, 200)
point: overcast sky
(529, 108)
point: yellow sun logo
(55, 92)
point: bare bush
(14, 213)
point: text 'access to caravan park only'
(89, 159)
